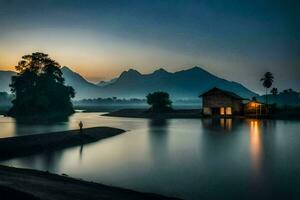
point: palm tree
(267, 82)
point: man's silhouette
(80, 126)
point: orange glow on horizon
(7, 68)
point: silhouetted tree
(159, 101)
(39, 88)
(274, 91)
(267, 81)
(254, 98)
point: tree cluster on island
(39, 88)
(159, 102)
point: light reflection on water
(188, 158)
(255, 145)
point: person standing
(80, 126)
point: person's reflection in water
(158, 138)
(81, 152)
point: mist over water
(187, 158)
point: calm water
(187, 158)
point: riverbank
(34, 185)
(32, 144)
(143, 113)
(196, 113)
(29, 184)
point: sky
(236, 40)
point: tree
(159, 101)
(39, 88)
(274, 91)
(267, 82)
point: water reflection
(158, 138)
(81, 152)
(27, 129)
(226, 123)
(158, 122)
(48, 161)
(222, 125)
(255, 145)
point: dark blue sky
(238, 40)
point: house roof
(228, 93)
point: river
(188, 158)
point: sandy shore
(32, 185)
(142, 113)
(31, 144)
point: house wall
(217, 99)
(207, 111)
(251, 108)
(236, 106)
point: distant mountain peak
(133, 71)
(196, 68)
(161, 71)
(130, 73)
(65, 68)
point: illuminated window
(228, 111)
(222, 111)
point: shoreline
(191, 114)
(33, 185)
(142, 113)
(30, 184)
(12, 147)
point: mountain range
(184, 84)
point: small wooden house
(254, 108)
(221, 102)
